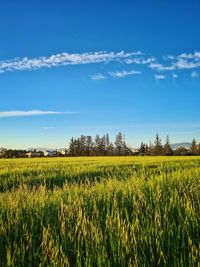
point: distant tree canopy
(102, 146)
(167, 150)
(13, 153)
(157, 149)
(99, 146)
(86, 145)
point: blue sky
(85, 67)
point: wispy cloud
(169, 57)
(64, 59)
(120, 74)
(159, 77)
(160, 67)
(140, 60)
(174, 75)
(18, 113)
(182, 61)
(48, 128)
(172, 63)
(98, 76)
(195, 55)
(185, 64)
(194, 74)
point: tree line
(103, 146)
(99, 146)
(157, 149)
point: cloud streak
(180, 62)
(18, 113)
(159, 77)
(174, 75)
(64, 59)
(98, 76)
(194, 74)
(48, 128)
(121, 74)
(140, 60)
(166, 63)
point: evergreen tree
(107, 142)
(89, 145)
(151, 149)
(194, 147)
(167, 150)
(157, 146)
(142, 149)
(111, 150)
(147, 150)
(97, 145)
(72, 147)
(103, 146)
(181, 151)
(119, 144)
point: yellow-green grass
(100, 211)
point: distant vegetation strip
(103, 146)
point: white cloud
(159, 77)
(64, 59)
(174, 75)
(120, 74)
(98, 76)
(165, 63)
(47, 128)
(140, 60)
(195, 55)
(182, 61)
(194, 74)
(185, 64)
(179, 64)
(18, 113)
(170, 57)
(185, 55)
(160, 67)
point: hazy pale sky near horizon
(84, 67)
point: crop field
(100, 211)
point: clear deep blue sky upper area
(85, 67)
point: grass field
(111, 211)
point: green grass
(111, 211)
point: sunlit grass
(111, 211)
